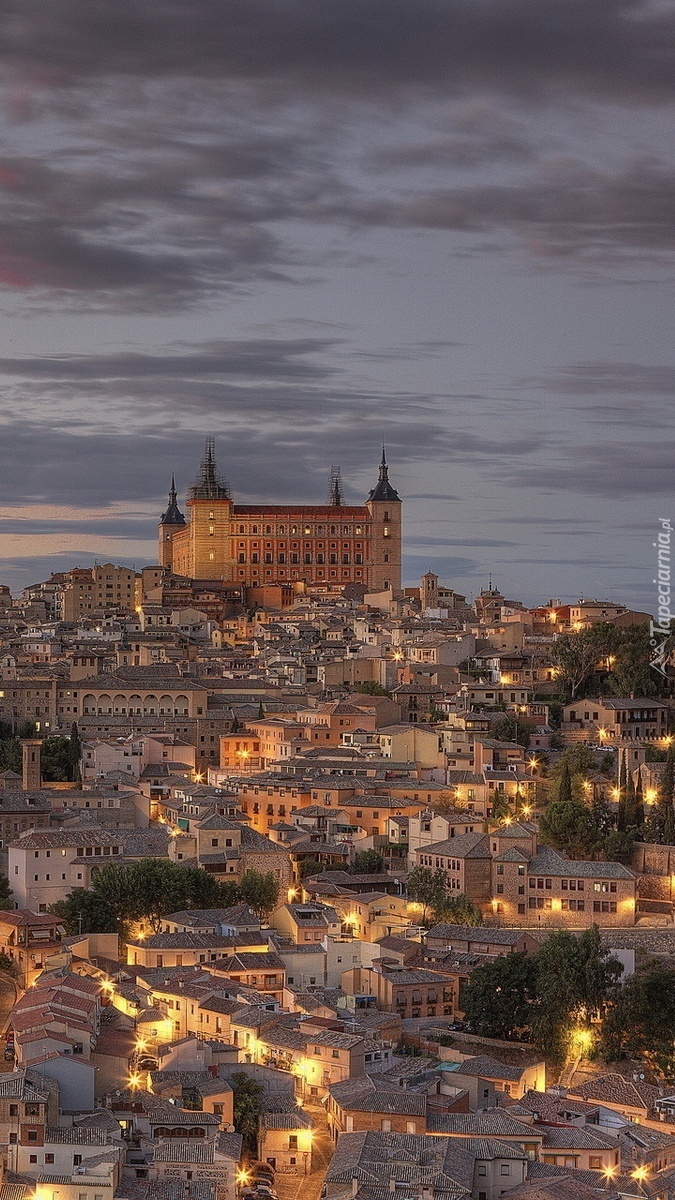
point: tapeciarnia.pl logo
(659, 628)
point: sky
(312, 227)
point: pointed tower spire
(173, 515)
(384, 490)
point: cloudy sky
(309, 227)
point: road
(8, 997)
(293, 1187)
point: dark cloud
(589, 378)
(616, 470)
(608, 46)
(255, 357)
(434, 496)
(565, 207)
(467, 541)
(414, 566)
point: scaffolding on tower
(335, 488)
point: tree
(577, 654)
(370, 688)
(621, 822)
(575, 977)
(113, 883)
(5, 893)
(229, 894)
(664, 803)
(568, 826)
(631, 673)
(367, 862)
(56, 759)
(152, 887)
(261, 892)
(457, 910)
(75, 754)
(641, 1022)
(249, 1104)
(500, 804)
(630, 802)
(639, 805)
(83, 911)
(11, 758)
(428, 888)
(261, 711)
(499, 996)
(565, 785)
(511, 728)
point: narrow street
(292, 1187)
(8, 998)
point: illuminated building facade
(333, 544)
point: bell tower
(385, 508)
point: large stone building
(251, 545)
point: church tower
(210, 507)
(169, 523)
(384, 506)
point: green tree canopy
(499, 996)
(370, 688)
(457, 910)
(83, 911)
(575, 977)
(261, 892)
(249, 1104)
(511, 728)
(152, 887)
(569, 827)
(641, 1022)
(428, 888)
(5, 893)
(578, 655)
(562, 988)
(367, 862)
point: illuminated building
(255, 545)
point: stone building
(256, 545)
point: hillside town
(315, 885)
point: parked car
(259, 1169)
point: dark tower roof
(173, 515)
(209, 486)
(384, 490)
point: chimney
(32, 767)
(355, 1185)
